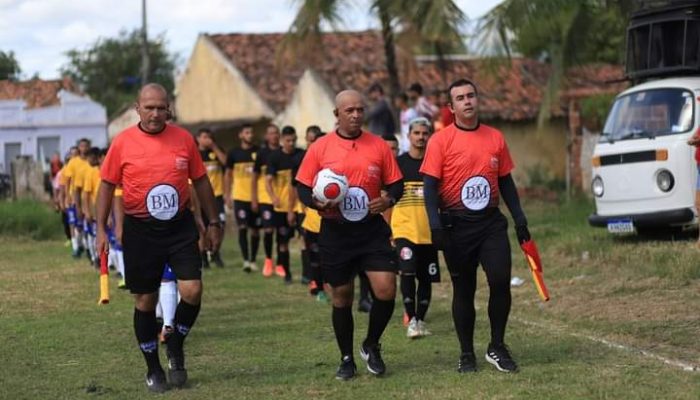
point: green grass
(259, 339)
(28, 218)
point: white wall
(76, 117)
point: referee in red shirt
(466, 170)
(153, 162)
(353, 235)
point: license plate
(621, 226)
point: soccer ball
(330, 186)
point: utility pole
(144, 45)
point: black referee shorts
(245, 217)
(149, 244)
(347, 248)
(420, 260)
(484, 241)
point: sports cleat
(122, 284)
(177, 374)
(216, 259)
(205, 260)
(313, 288)
(373, 357)
(165, 333)
(467, 363)
(413, 330)
(500, 357)
(267, 268)
(155, 382)
(279, 271)
(322, 297)
(346, 369)
(423, 329)
(253, 267)
(406, 319)
(246, 266)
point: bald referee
(152, 162)
(354, 237)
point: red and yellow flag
(535, 263)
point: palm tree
(429, 24)
(556, 31)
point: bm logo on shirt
(163, 202)
(355, 205)
(476, 193)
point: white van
(644, 172)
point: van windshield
(650, 113)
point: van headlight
(664, 180)
(597, 186)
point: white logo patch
(355, 205)
(406, 253)
(476, 193)
(163, 202)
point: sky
(39, 32)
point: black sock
(343, 326)
(425, 291)
(499, 308)
(315, 266)
(243, 242)
(379, 317)
(254, 245)
(146, 330)
(283, 260)
(305, 269)
(463, 313)
(185, 316)
(408, 292)
(267, 244)
(364, 287)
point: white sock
(91, 246)
(74, 243)
(168, 301)
(120, 263)
(112, 258)
(159, 310)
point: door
(12, 151)
(45, 147)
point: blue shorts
(72, 214)
(697, 183)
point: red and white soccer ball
(330, 186)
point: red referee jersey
(468, 165)
(367, 162)
(153, 170)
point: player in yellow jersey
(311, 226)
(214, 160)
(71, 197)
(237, 186)
(260, 201)
(91, 182)
(278, 183)
(418, 258)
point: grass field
(257, 338)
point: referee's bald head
(347, 96)
(151, 90)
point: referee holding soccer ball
(353, 234)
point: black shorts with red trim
(348, 248)
(420, 260)
(477, 241)
(245, 217)
(149, 244)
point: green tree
(563, 33)
(419, 25)
(109, 71)
(9, 67)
